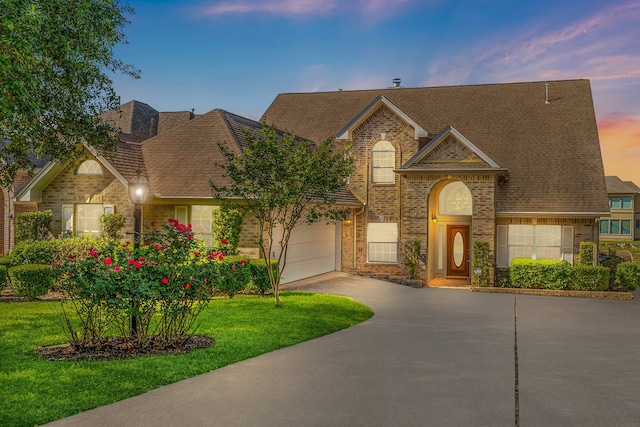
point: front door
(458, 250)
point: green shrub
(502, 278)
(589, 278)
(31, 280)
(5, 260)
(482, 260)
(111, 226)
(33, 225)
(3, 277)
(232, 275)
(33, 252)
(611, 261)
(78, 247)
(413, 253)
(260, 274)
(540, 274)
(587, 253)
(226, 226)
(627, 276)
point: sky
(238, 55)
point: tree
(54, 60)
(283, 181)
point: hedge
(6, 261)
(627, 276)
(260, 274)
(33, 252)
(233, 275)
(31, 280)
(3, 277)
(589, 278)
(540, 274)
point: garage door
(312, 251)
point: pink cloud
(619, 137)
(301, 7)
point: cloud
(619, 136)
(602, 46)
(300, 8)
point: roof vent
(396, 82)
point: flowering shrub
(153, 293)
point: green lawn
(35, 391)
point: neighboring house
(517, 165)
(9, 209)
(624, 202)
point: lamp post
(138, 190)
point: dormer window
(89, 168)
(383, 161)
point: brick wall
(68, 188)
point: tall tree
(283, 182)
(54, 60)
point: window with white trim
(455, 199)
(382, 242)
(620, 202)
(201, 223)
(88, 218)
(533, 241)
(89, 168)
(383, 161)
(616, 226)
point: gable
(380, 103)
(450, 151)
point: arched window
(455, 199)
(383, 162)
(89, 168)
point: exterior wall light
(434, 218)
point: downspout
(355, 227)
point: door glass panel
(458, 249)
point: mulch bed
(118, 348)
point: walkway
(429, 357)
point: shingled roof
(617, 186)
(548, 145)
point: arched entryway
(450, 210)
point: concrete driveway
(428, 357)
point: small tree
(587, 253)
(412, 250)
(283, 182)
(482, 260)
(55, 65)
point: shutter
(502, 247)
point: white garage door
(312, 251)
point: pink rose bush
(164, 285)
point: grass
(35, 391)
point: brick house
(516, 165)
(624, 203)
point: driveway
(428, 357)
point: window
(604, 226)
(620, 202)
(383, 162)
(533, 241)
(201, 223)
(89, 168)
(637, 224)
(88, 218)
(614, 226)
(382, 242)
(625, 226)
(455, 199)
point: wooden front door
(458, 250)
